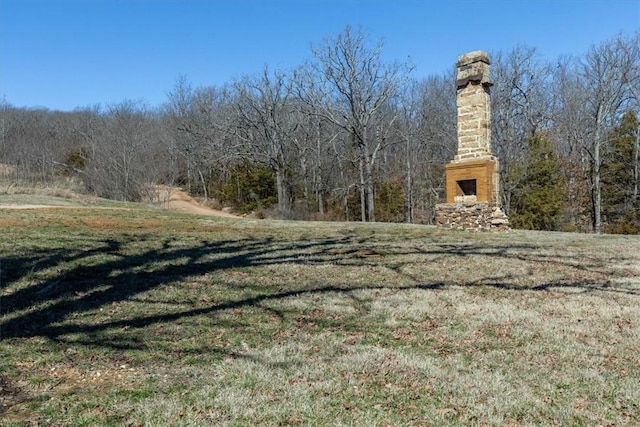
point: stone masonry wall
(472, 217)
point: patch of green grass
(127, 316)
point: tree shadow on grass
(47, 288)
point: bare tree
(350, 88)
(521, 102)
(312, 141)
(34, 141)
(124, 158)
(426, 124)
(604, 74)
(265, 111)
(196, 121)
(437, 138)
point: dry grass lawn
(146, 317)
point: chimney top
(471, 57)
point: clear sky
(63, 54)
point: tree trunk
(204, 186)
(320, 204)
(345, 201)
(283, 196)
(188, 176)
(370, 190)
(409, 188)
(597, 195)
(636, 167)
(363, 199)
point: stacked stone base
(473, 216)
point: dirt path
(16, 206)
(180, 201)
(173, 199)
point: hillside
(174, 199)
(141, 316)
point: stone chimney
(472, 176)
(474, 107)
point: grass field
(133, 316)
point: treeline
(347, 136)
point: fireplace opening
(467, 187)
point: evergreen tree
(249, 187)
(539, 195)
(619, 203)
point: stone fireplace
(472, 184)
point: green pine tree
(249, 187)
(620, 211)
(539, 195)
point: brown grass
(146, 317)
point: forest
(347, 136)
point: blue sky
(63, 54)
